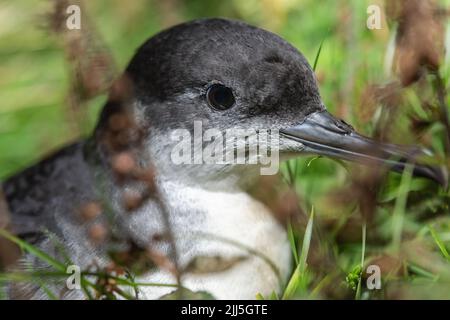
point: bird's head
(197, 84)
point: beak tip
(438, 174)
(443, 178)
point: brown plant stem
(442, 95)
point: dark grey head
(268, 77)
(228, 74)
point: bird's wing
(31, 194)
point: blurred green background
(35, 80)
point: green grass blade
(324, 282)
(439, 243)
(292, 242)
(300, 270)
(422, 272)
(259, 296)
(306, 242)
(47, 290)
(59, 246)
(400, 207)
(33, 250)
(363, 253)
(316, 59)
(292, 284)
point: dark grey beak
(321, 133)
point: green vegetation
(400, 223)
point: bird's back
(58, 183)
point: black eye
(220, 97)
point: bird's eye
(220, 97)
